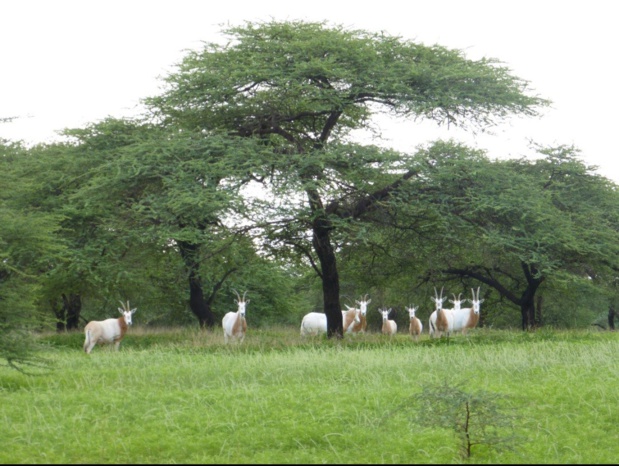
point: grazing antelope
(108, 330)
(416, 327)
(389, 326)
(234, 323)
(441, 320)
(467, 318)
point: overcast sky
(66, 63)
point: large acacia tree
(521, 227)
(166, 189)
(302, 87)
(553, 219)
(82, 183)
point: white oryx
(108, 330)
(441, 320)
(315, 323)
(457, 302)
(389, 326)
(351, 317)
(416, 327)
(234, 323)
(467, 318)
(359, 327)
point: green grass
(180, 395)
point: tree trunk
(330, 282)
(73, 305)
(68, 315)
(321, 240)
(527, 301)
(200, 307)
(611, 317)
(61, 320)
(539, 316)
(527, 309)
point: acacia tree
(300, 88)
(525, 229)
(168, 190)
(514, 225)
(28, 240)
(54, 178)
(129, 201)
(52, 173)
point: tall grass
(180, 395)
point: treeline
(242, 175)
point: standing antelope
(416, 327)
(389, 326)
(457, 302)
(315, 323)
(234, 323)
(363, 309)
(441, 320)
(109, 330)
(350, 318)
(467, 318)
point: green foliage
(102, 215)
(467, 220)
(300, 72)
(477, 418)
(300, 89)
(28, 245)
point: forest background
(245, 174)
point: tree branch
(218, 285)
(491, 282)
(363, 205)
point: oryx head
(126, 311)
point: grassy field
(182, 396)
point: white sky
(66, 63)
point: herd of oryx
(442, 321)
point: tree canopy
(300, 88)
(244, 173)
